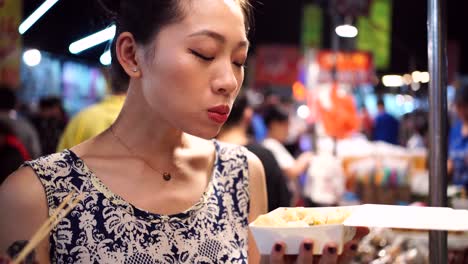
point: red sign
(351, 67)
(276, 65)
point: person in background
(418, 130)
(12, 151)
(386, 127)
(366, 122)
(50, 122)
(277, 121)
(458, 140)
(22, 128)
(94, 119)
(235, 131)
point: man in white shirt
(277, 122)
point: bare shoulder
(23, 205)
(257, 186)
(22, 188)
(258, 199)
(255, 165)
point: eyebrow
(218, 37)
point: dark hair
(144, 19)
(7, 98)
(461, 96)
(5, 128)
(49, 102)
(274, 113)
(237, 111)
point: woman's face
(281, 129)
(193, 70)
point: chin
(205, 132)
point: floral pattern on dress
(104, 228)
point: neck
(273, 135)
(148, 135)
(236, 135)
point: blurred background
(343, 81)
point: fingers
(277, 253)
(456, 257)
(329, 254)
(349, 252)
(306, 252)
(361, 232)
(4, 260)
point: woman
(157, 190)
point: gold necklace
(166, 175)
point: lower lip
(217, 117)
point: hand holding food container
(294, 230)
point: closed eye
(200, 56)
(240, 65)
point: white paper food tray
(266, 237)
(370, 215)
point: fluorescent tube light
(106, 58)
(40, 11)
(92, 40)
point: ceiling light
(407, 79)
(424, 77)
(32, 57)
(303, 111)
(92, 40)
(106, 58)
(416, 75)
(346, 31)
(40, 11)
(392, 80)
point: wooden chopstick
(54, 215)
(48, 225)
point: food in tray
(302, 217)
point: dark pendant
(167, 176)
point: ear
(126, 51)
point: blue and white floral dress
(104, 228)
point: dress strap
(55, 172)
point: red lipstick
(219, 113)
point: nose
(225, 81)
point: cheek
(181, 74)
